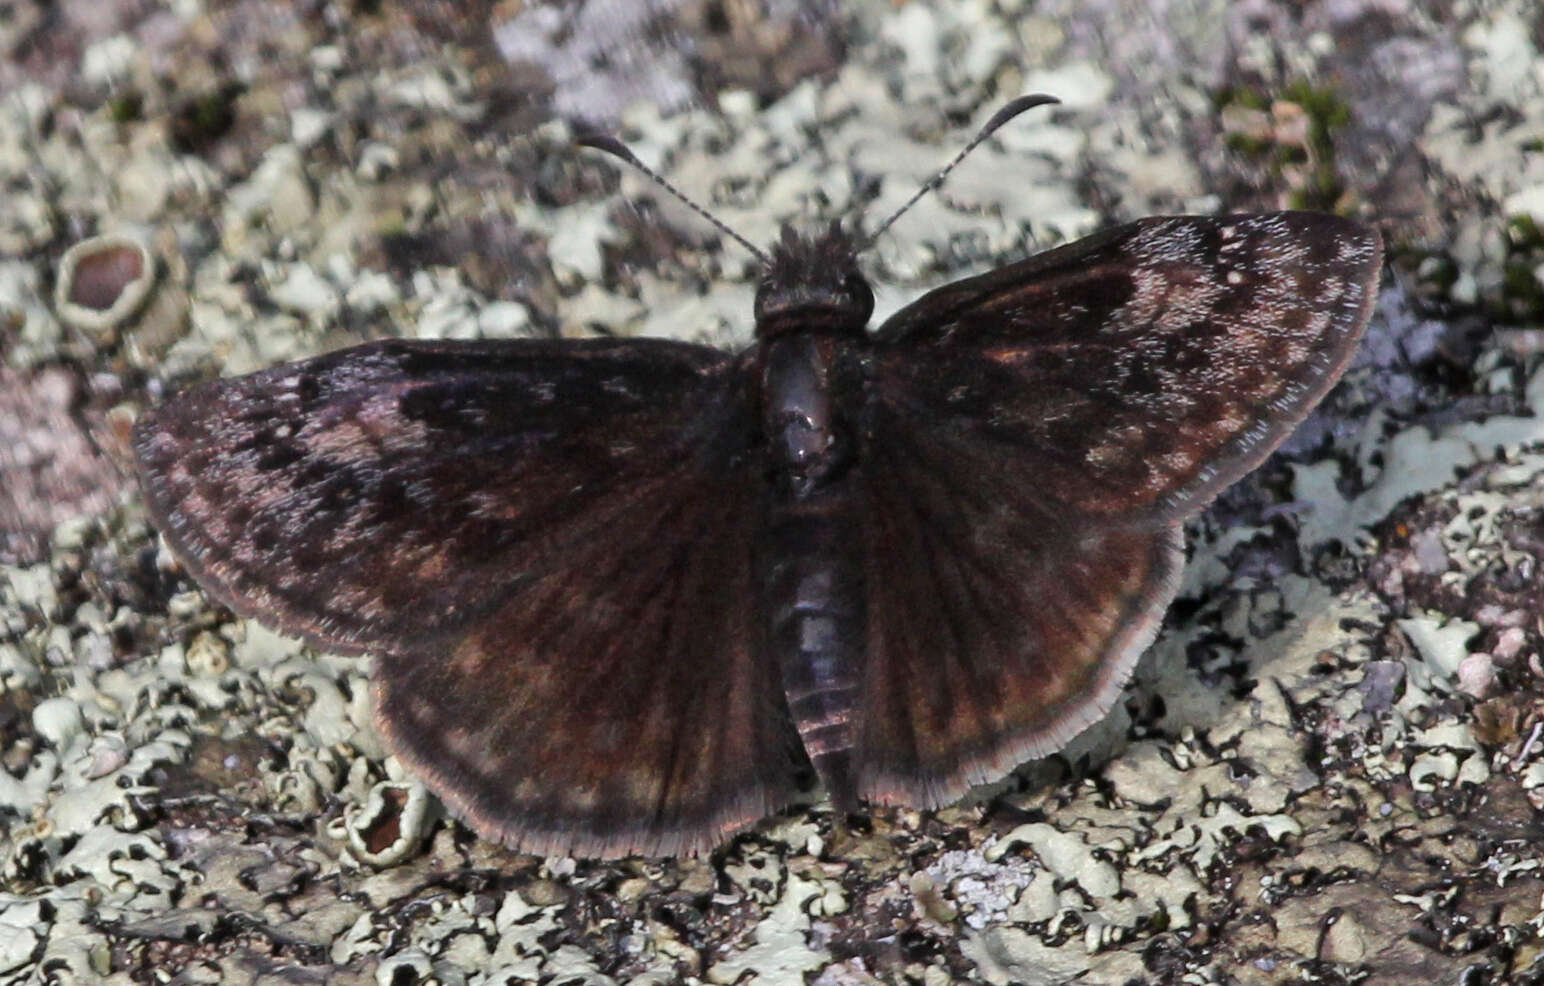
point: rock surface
(1328, 768)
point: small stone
(370, 291)
(737, 103)
(145, 185)
(107, 754)
(1477, 675)
(1509, 643)
(108, 60)
(1381, 686)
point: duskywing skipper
(623, 594)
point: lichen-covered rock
(1329, 766)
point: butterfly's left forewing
(1146, 368)
(545, 545)
(1033, 438)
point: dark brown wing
(1033, 439)
(1149, 367)
(545, 544)
(998, 630)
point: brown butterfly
(622, 595)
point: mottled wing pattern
(1033, 439)
(1146, 368)
(545, 545)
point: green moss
(127, 107)
(391, 225)
(1524, 232)
(1244, 96)
(1248, 146)
(1326, 111)
(1436, 272)
(211, 114)
(1524, 293)
(1322, 192)
(1292, 154)
(201, 119)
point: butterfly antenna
(614, 147)
(1012, 109)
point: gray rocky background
(1329, 767)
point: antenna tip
(1014, 107)
(609, 145)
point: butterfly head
(813, 283)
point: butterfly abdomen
(813, 590)
(809, 568)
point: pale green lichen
(1442, 644)
(779, 952)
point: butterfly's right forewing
(546, 546)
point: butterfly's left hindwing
(546, 545)
(997, 630)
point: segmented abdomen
(813, 591)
